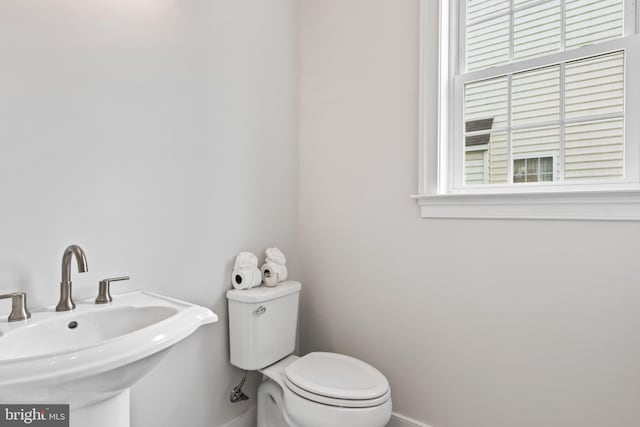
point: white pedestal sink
(90, 357)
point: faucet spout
(81, 259)
(66, 301)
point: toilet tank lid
(264, 293)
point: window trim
(438, 198)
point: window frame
(441, 194)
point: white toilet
(316, 390)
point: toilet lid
(337, 377)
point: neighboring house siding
(498, 32)
(498, 159)
(477, 167)
(593, 148)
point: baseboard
(246, 419)
(398, 420)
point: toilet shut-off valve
(236, 394)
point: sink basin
(94, 353)
(90, 328)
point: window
(534, 169)
(535, 96)
(573, 106)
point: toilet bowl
(319, 389)
(323, 390)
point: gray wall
(475, 323)
(161, 136)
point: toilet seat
(337, 380)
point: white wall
(161, 136)
(475, 323)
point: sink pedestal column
(112, 412)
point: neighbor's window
(533, 169)
(540, 90)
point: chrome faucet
(66, 302)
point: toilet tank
(262, 324)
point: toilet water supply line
(236, 394)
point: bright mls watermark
(34, 415)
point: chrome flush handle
(104, 289)
(19, 310)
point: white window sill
(609, 205)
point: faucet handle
(19, 310)
(104, 289)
